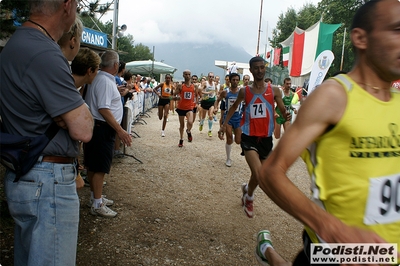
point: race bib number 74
(258, 110)
(383, 203)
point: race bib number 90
(383, 204)
(258, 110)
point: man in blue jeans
(37, 88)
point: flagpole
(341, 61)
(266, 44)
(259, 29)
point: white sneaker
(103, 211)
(162, 133)
(228, 163)
(106, 201)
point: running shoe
(162, 133)
(200, 127)
(247, 206)
(190, 137)
(180, 145)
(263, 237)
(228, 163)
(210, 133)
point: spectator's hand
(60, 122)
(123, 90)
(125, 137)
(79, 181)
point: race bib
(230, 102)
(383, 203)
(258, 110)
(187, 95)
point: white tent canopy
(149, 67)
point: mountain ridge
(198, 58)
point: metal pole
(259, 29)
(341, 61)
(152, 64)
(115, 25)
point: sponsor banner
(355, 253)
(94, 37)
(320, 68)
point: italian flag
(287, 48)
(285, 56)
(306, 45)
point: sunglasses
(211, 77)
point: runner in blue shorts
(233, 125)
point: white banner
(319, 70)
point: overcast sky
(202, 21)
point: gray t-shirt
(36, 85)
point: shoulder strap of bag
(84, 88)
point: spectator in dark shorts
(353, 200)
(257, 125)
(104, 101)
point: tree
(307, 16)
(13, 13)
(284, 27)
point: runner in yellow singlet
(351, 126)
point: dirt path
(180, 207)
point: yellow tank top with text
(355, 167)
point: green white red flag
(305, 45)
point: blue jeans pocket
(22, 198)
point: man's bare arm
(279, 102)
(79, 122)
